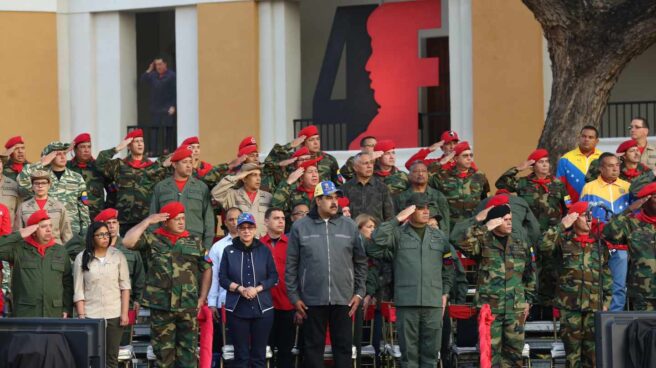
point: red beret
(106, 215)
(538, 154)
(81, 138)
(502, 191)
(449, 136)
(648, 189)
(461, 147)
(135, 133)
(173, 209)
(343, 202)
(248, 141)
(307, 163)
(578, 207)
(247, 150)
(304, 151)
(14, 141)
(37, 217)
(385, 145)
(626, 145)
(309, 131)
(180, 154)
(190, 141)
(498, 200)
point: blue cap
(326, 188)
(245, 218)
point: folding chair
(391, 350)
(126, 355)
(367, 351)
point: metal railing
(159, 140)
(333, 135)
(617, 116)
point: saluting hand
(47, 159)
(28, 230)
(483, 214)
(287, 162)
(298, 141)
(569, 220)
(433, 147)
(403, 215)
(494, 223)
(295, 175)
(525, 165)
(377, 154)
(236, 162)
(156, 218)
(638, 203)
(448, 158)
(121, 146)
(9, 151)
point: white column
(460, 62)
(280, 70)
(82, 69)
(115, 77)
(186, 43)
(63, 77)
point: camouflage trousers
(577, 332)
(643, 304)
(507, 339)
(174, 338)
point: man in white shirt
(217, 295)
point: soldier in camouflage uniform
(630, 166)
(578, 292)
(135, 177)
(637, 233)
(13, 159)
(506, 281)
(298, 188)
(177, 284)
(367, 145)
(447, 143)
(463, 186)
(386, 170)
(84, 164)
(135, 264)
(66, 186)
(11, 195)
(545, 195)
(309, 137)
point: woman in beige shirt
(102, 286)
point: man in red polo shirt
(282, 333)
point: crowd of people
(307, 243)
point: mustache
(333, 206)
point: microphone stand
(607, 217)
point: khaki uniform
(61, 225)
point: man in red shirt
(282, 333)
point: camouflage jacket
(136, 267)
(380, 274)
(95, 182)
(286, 197)
(396, 181)
(548, 205)
(639, 182)
(594, 172)
(463, 194)
(640, 238)
(506, 274)
(70, 190)
(346, 171)
(438, 206)
(174, 273)
(210, 175)
(7, 170)
(579, 265)
(327, 167)
(135, 186)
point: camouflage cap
(250, 167)
(40, 174)
(418, 199)
(55, 146)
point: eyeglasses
(298, 213)
(246, 228)
(102, 235)
(634, 127)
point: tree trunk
(590, 42)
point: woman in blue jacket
(248, 273)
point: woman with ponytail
(102, 286)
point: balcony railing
(616, 118)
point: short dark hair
(271, 210)
(604, 156)
(365, 139)
(163, 58)
(645, 124)
(590, 127)
(415, 163)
